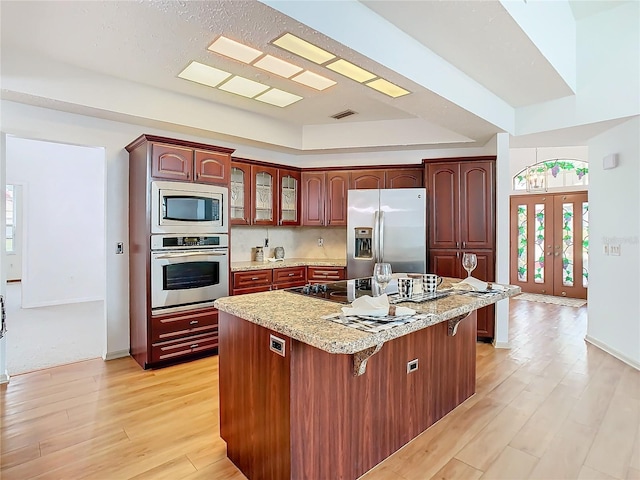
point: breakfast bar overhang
(298, 402)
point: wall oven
(188, 272)
(186, 208)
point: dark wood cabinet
(263, 280)
(251, 281)
(405, 178)
(289, 277)
(324, 198)
(367, 179)
(289, 197)
(172, 162)
(264, 194)
(240, 193)
(325, 274)
(461, 203)
(163, 339)
(264, 198)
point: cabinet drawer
(251, 278)
(242, 291)
(289, 275)
(172, 326)
(325, 273)
(185, 346)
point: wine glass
(469, 262)
(382, 276)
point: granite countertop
(299, 317)
(288, 262)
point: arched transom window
(552, 174)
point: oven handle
(192, 254)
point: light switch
(614, 249)
(605, 249)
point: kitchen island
(304, 397)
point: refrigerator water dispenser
(363, 238)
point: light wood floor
(552, 407)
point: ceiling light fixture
(351, 71)
(313, 80)
(277, 66)
(243, 86)
(204, 74)
(387, 88)
(278, 97)
(303, 48)
(236, 50)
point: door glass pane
(567, 244)
(522, 243)
(264, 196)
(585, 244)
(538, 253)
(237, 193)
(289, 196)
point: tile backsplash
(298, 242)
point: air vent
(341, 115)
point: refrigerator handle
(381, 236)
(376, 236)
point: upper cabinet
(363, 179)
(264, 195)
(324, 198)
(404, 178)
(184, 163)
(240, 194)
(289, 197)
(387, 178)
(462, 206)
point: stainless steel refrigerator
(386, 226)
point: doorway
(550, 243)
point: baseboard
(612, 351)
(501, 344)
(113, 355)
(4, 378)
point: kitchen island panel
(336, 425)
(254, 399)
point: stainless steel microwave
(178, 207)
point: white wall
(607, 72)
(614, 217)
(4, 373)
(63, 220)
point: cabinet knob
(193, 322)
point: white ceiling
(149, 43)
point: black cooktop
(343, 291)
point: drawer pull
(193, 322)
(291, 274)
(195, 345)
(255, 278)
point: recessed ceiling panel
(243, 86)
(236, 50)
(204, 74)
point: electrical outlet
(605, 249)
(266, 242)
(320, 242)
(615, 249)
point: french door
(550, 243)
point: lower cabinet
(448, 263)
(254, 281)
(288, 277)
(183, 334)
(251, 281)
(325, 274)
